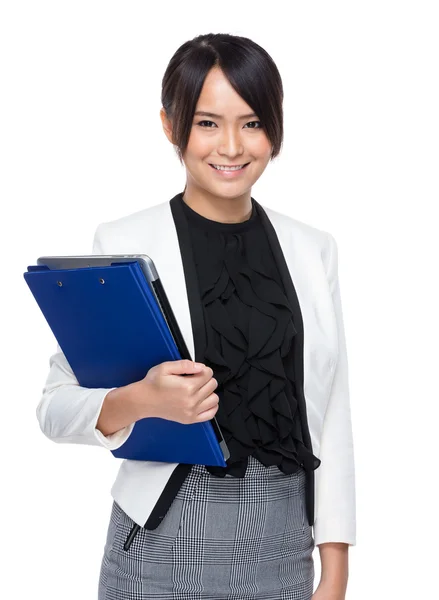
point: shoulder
(135, 222)
(308, 236)
(295, 224)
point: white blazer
(67, 412)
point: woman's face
(233, 137)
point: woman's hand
(166, 393)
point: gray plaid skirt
(222, 538)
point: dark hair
(250, 70)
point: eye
(258, 122)
(201, 123)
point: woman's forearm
(119, 409)
(334, 559)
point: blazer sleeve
(68, 413)
(335, 519)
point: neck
(225, 210)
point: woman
(271, 369)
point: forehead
(217, 95)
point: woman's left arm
(335, 522)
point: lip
(229, 174)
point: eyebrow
(203, 113)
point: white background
(82, 143)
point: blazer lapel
(171, 255)
(280, 239)
(195, 329)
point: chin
(231, 192)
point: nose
(230, 143)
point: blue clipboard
(113, 325)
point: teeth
(220, 168)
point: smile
(229, 171)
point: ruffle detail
(250, 347)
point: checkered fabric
(223, 539)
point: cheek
(260, 147)
(199, 145)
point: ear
(167, 125)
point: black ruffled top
(249, 344)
